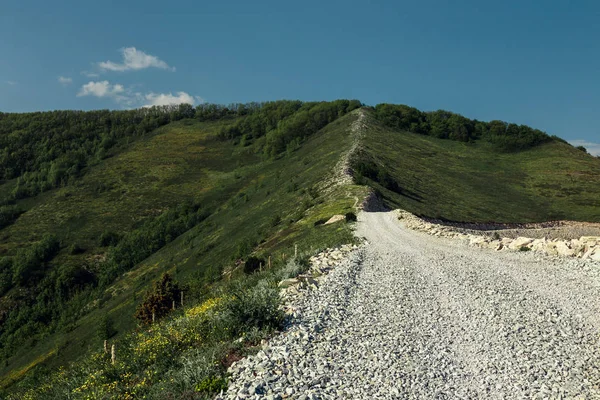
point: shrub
(159, 300)
(320, 221)
(350, 217)
(252, 264)
(212, 384)
(524, 248)
(105, 329)
(254, 307)
(29, 262)
(8, 215)
(109, 238)
(276, 220)
(75, 249)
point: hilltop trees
(285, 122)
(447, 125)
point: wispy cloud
(11, 83)
(101, 89)
(65, 80)
(134, 59)
(90, 74)
(164, 99)
(592, 147)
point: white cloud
(591, 147)
(101, 89)
(163, 99)
(11, 83)
(134, 59)
(127, 97)
(65, 80)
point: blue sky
(529, 62)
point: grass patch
(473, 182)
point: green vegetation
(183, 356)
(181, 200)
(471, 181)
(287, 124)
(447, 125)
(111, 215)
(159, 300)
(46, 150)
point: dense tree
(286, 122)
(446, 125)
(45, 150)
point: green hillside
(95, 208)
(475, 181)
(195, 201)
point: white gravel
(413, 316)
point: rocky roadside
(585, 247)
(275, 371)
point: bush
(276, 220)
(29, 262)
(105, 329)
(350, 217)
(109, 238)
(75, 249)
(524, 248)
(159, 300)
(8, 215)
(254, 307)
(212, 384)
(253, 264)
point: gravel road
(414, 316)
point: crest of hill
(497, 172)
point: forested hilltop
(96, 206)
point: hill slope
(474, 182)
(245, 204)
(196, 195)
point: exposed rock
(563, 249)
(590, 239)
(288, 282)
(519, 242)
(580, 248)
(475, 240)
(334, 219)
(588, 253)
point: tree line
(447, 125)
(286, 124)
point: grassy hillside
(475, 182)
(195, 196)
(251, 204)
